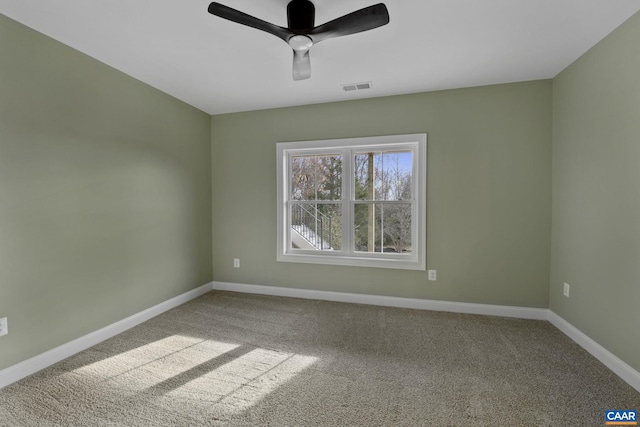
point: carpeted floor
(229, 359)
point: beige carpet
(230, 359)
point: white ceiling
(221, 67)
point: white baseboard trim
(48, 358)
(610, 360)
(386, 301)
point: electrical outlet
(4, 326)
(236, 263)
(432, 274)
(566, 290)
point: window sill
(376, 262)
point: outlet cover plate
(4, 326)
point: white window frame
(416, 260)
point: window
(359, 201)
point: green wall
(596, 196)
(105, 194)
(489, 193)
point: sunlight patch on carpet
(231, 377)
(246, 380)
(152, 363)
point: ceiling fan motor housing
(301, 16)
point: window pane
(316, 177)
(383, 175)
(382, 227)
(316, 226)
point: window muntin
(359, 201)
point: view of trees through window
(381, 199)
(316, 194)
(382, 210)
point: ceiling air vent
(356, 86)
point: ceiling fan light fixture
(300, 43)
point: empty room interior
(433, 220)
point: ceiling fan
(301, 33)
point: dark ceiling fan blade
(301, 65)
(242, 18)
(361, 20)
